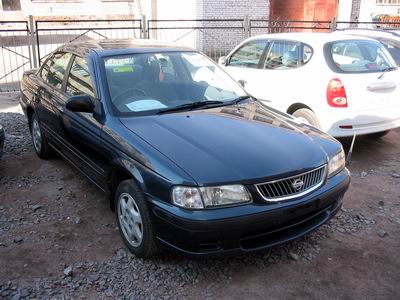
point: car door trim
(73, 150)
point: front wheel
(134, 220)
(307, 116)
(39, 140)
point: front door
(79, 132)
(244, 66)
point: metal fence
(54, 33)
(214, 37)
(15, 55)
(24, 45)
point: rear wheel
(39, 140)
(378, 135)
(307, 116)
(134, 220)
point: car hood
(244, 143)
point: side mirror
(222, 61)
(80, 103)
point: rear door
(52, 74)
(244, 66)
(284, 73)
(367, 72)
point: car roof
(309, 37)
(375, 33)
(118, 46)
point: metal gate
(214, 37)
(15, 55)
(279, 26)
(25, 44)
(54, 33)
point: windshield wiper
(240, 99)
(386, 70)
(190, 106)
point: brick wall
(217, 42)
(355, 10)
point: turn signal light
(336, 93)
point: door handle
(381, 86)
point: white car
(390, 39)
(338, 83)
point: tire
(377, 135)
(308, 115)
(133, 217)
(39, 139)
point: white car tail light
(336, 93)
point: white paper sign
(143, 105)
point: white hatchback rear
(341, 84)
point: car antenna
(351, 149)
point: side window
(287, 55)
(394, 49)
(248, 55)
(56, 69)
(46, 69)
(79, 79)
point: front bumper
(248, 228)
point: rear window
(393, 47)
(355, 56)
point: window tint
(248, 55)
(394, 49)
(79, 79)
(287, 55)
(46, 68)
(150, 82)
(359, 56)
(53, 71)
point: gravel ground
(58, 239)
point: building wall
(370, 9)
(47, 9)
(355, 10)
(217, 42)
(344, 10)
(318, 10)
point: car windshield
(153, 82)
(355, 56)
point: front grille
(292, 187)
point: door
(78, 133)
(284, 73)
(368, 74)
(244, 66)
(52, 75)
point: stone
(78, 220)
(18, 240)
(68, 271)
(381, 203)
(121, 253)
(363, 174)
(293, 256)
(36, 207)
(382, 233)
(395, 175)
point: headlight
(336, 163)
(206, 197)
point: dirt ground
(51, 217)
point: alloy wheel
(130, 219)
(36, 136)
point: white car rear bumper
(345, 122)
